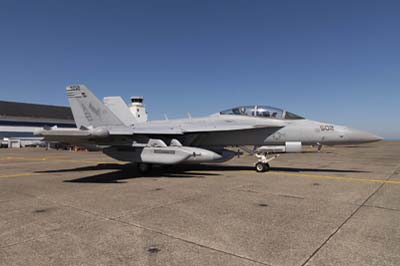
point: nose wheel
(263, 162)
(262, 167)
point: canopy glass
(261, 111)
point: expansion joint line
(192, 242)
(350, 216)
(115, 219)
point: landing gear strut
(263, 162)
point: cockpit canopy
(261, 111)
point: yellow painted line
(18, 175)
(83, 161)
(354, 179)
(77, 161)
(24, 159)
(49, 159)
(337, 177)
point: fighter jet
(269, 130)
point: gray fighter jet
(269, 130)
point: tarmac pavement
(337, 207)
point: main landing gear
(263, 162)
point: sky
(334, 61)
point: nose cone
(358, 136)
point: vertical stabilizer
(117, 105)
(88, 110)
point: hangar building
(18, 121)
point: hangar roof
(34, 111)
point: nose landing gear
(262, 167)
(263, 162)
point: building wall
(18, 121)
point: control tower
(138, 109)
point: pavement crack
(380, 207)
(363, 204)
(192, 242)
(97, 215)
(190, 198)
(291, 196)
(113, 219)
(30, 239)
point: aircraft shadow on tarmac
(128, 171)
(119, 176)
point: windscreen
(292, 116)
(258, 111)
(261, 111)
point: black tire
(260, 167)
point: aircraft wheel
(260, 167)
(144, 168)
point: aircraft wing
(99, 125)
(193, 135)
(151, 129)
